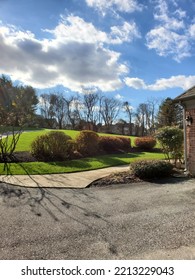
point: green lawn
(26, 138)
(76, 165)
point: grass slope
(27, 138)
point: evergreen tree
(170, 114)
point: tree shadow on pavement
(50, 200)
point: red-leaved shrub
(126, 143)
(111, 144)
(87, 143)
(145, 143)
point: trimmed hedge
(126, 143)
(71, 149)
(51, 146)
(145, 143)
(111, 144)
(148, 169)
(87, 143)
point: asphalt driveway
(134, 221)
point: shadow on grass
(74, 165)
(117, 159)
(77, 165)
(71, 163)
(105, 160)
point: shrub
(145, 143)
(171, 141)
(51, 146)
(126, 143)
(110, 144)
(87, 143)
(148, 169)
(71, 148)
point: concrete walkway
(65, 180)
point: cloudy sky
(131, 49)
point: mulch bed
(21, 157)
(116, 178)
(127, 178)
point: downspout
(185, 138)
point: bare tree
(70, 119)
(65, 110)
(8, 141)
(146, 116)
(109, 111)
(73, 110)
(129, 112)
(47, 109)
(141, 119)
(90, 107)
(153, 105)
(59, 108)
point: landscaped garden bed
(114, 151)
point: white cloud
(119, 97)
(180, 13)
(181, 81)
(75, 56)
(173, 21)
(174, 2)
(192, 31)
(168, 43)
(74, 28)
(171, 36)
(128, 6)
(125, 33)
(135, 83)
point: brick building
(187, 100)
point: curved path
(65, 180)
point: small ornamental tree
(171, 141)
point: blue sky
(131, 49)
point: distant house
(118, 128)
(187, 100)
